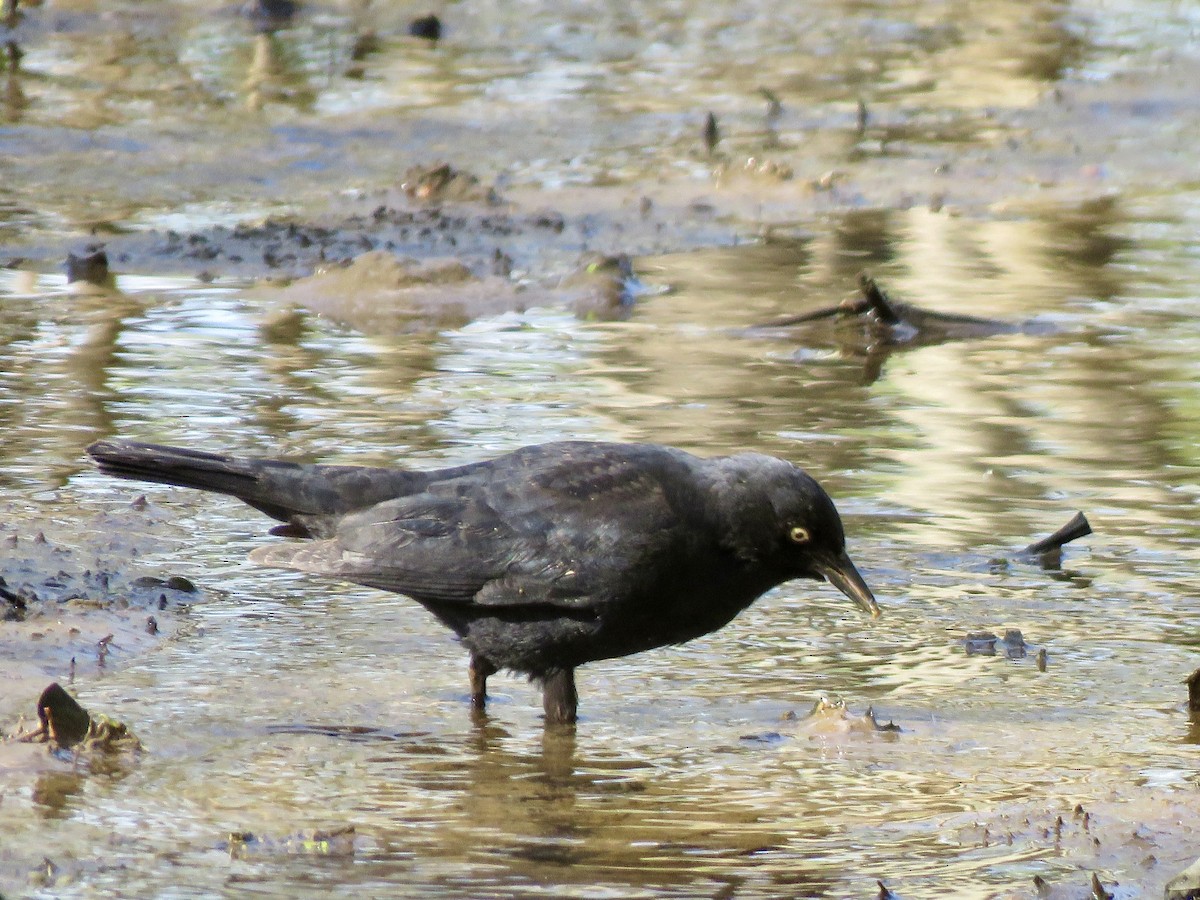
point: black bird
(547, 557)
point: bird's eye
(799, 534)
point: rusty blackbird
(545, 558)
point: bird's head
(778, 519)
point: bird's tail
(282, 490)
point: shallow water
(277, 705)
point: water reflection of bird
(545, 558)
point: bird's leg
(559, 698)
(479, 670)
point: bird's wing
(564, 533)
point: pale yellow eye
(799, 534)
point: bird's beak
(840, 572)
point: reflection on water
(291, 705)
(285, 706)
(203, 101)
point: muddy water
(272, 706)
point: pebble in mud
(428, 27)
(987, 643)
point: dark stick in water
(1078, 527)
(878, 299)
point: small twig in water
(1076, 528)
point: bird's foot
(560, 701)
(478, 671)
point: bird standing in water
(545, 558)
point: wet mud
(76, 602)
